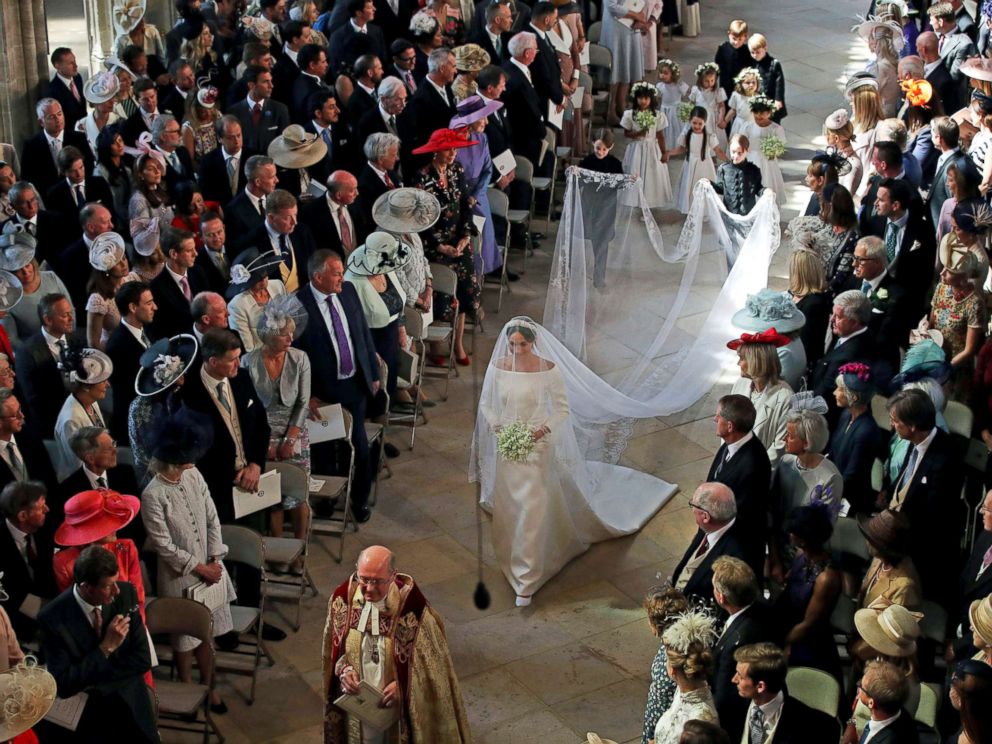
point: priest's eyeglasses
(369, 581)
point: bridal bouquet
(515, 442)
(684, 111)
(645, 119)
(772, 147)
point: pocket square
(924, 481)
(250, 403)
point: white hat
(26, 694)
(380, 254)
(127, 15)
(146, 237)
(297, 148)
(879, 28)
(107, 251)
(837, 120)
(406, 210)
(101, 87)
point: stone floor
(577, 660)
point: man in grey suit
(944, 131)
(953, 46)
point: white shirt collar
(876, 726)
(20, 537)
(211, 384)
(49, 338)
(291, 54)
(363, 86)
(228, 156)
(730, 620)
(877, 280)
(68, 81)
(252, 103)
(732, 449)
(52, 139)
(175, 277)
(360, 29)
(929, 67)
(772, 710)
(439, 88)
(712, 538)
(85, 606)
(136, 332)
(845, 339)
(91, 476)
(524, 68)
(181, 92)
(923, 446)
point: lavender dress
(478, 175)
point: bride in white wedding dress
(551, 504)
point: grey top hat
(769, 309)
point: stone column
(100, 30)
(23, 67)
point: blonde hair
(807, 274)
(763, 364)
(734, 579)
(739, 87)
(866, 104)
(737, 28)
(757, 41)
(696, 663)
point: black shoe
(511, 276)
(537, 236)
(272, 633)
(390, 450)
(362, 514)
(220, 708)
(227, 642)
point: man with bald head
(337, 217)
(382, 632)
(936, 73)
(72, 263)
(715, 511)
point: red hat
(771, 336)
(91, 515)
(444, 139)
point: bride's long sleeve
(560, 413)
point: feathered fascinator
(973, 216)
(830, 156)
(760, 102)
(807, 400)
(694, 626)
(918, 92)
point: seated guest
(151, 198)
(958, 312)
(889, 633)
(136, 307)
(175, 287)
(190, 208)
(187, 541)
(891, 316)
(94, 641)
(770, 309)
(246, 212)
(715, 512)
(851, 343)
(281, 234)
(381, 119)
(663, 605)
(971, 696)
(250, 291)
(812, 587)
(17, 256)
(22, 455)
(38, 223)
(300, 158)
(856, 440)
(26, 550)
(884, 690)
(88, 373)
(689, 643)
(281, 375)
(760, 678)
(39, 157)
(328, 123)
(761, 383)
(891, 576)
(809, 291)
(109, 268)
(524, 111)
(337, 217)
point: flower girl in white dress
(708, 94)
(699, 145)
(746, 86)
(672, 91)
(763, 128)
(646, 154)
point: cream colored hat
(26, 694)
(592, 738)
(107, 251)
(297, 148)
(127, 14)
(891, 631)
(101, 87)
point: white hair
(437, 58)
(521, 42)
(389, 87)
(855, 305)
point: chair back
(445, 280)
(960, 418)
(600, 64)
(842, 618)
(816, 688)
(880, 412)
(525, 169)
(414, 321)
(934, 623)
(594, 31)
(179, 616)
(499, 205)
(244, 545)
(926, 711)
(847, 538)
(293, 480)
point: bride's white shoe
(522, 601)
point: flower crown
(761, 102)
(706, 68)
(746, 73)
(642, 86)
(694, 625)
(671, 65)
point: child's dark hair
(604, 135)
(698, 112)
(644, 90)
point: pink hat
(91, 515)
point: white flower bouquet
(515, 442)
(684, 111)
(772, 147)
(645, 119)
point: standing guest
(358, 37)
(151, 198)
(839, 132)
(382, 152)
(39, 157)
(404, 55)
(313, 69)
(109, 270)
(890, 318)
(94, 641)
(851, 343)
(525, 116)
(66, 86)
(971, 696)
(250, 290)
(281, 376)
(115, 167)
(213, 260)
(738, 180)
(689, 643)
(428, 110)
(299, 156)
(199, 132)
(175, 287)
(945, 139)
(568, 35)
(75, 190)
(167, 139)
(469, 61)
(329, 124)
(954, 47)
(17, 255)
(546, 70)
(97, 451)
(495, 34)
(958, 312)
(419, 680)
(624, 42)
(262, 118)
(856, 438)
(22, 454)
(394, 18)
(392, 95)
(148, 257)
(663, 604)
(291, 242)
(37, 223)
(246, 212)
(141, 120)
(367, 74)
(89, 373)
(101, 91)
(772, 77)
(733, 55)
(286, 68)
(425, 33)
(891, 576)
(838, 212)
(136, 306)
(221, 171)
(73, 261)
(337, 217)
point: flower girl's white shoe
(522, 601)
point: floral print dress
(953, 318)
(660, 694)
(454, 224)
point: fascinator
(830, 156)
(144, 148)
(771, 336)
(693, 626)
(860, 80)
(760, 102)
(85, 366)
(127, 14)
(888, 531)
(807, 400)
(380, 254)
(406, 210)
(101, 87)
(113, 63)
(297, 148)
(837, 120)
(27, 692)
(11, 290)
(984, 102)
(207, 96)
(280, 310)
(890, 629)
(857, 378)
(470, 57)
(260, 28)
(106, 251)
(248, 268)
(164, 362)
(146, 237)
(769, 309)
(424, 23)
(959, 259)
(973, 215)
(17, 246)
(918, 92)
(180, 437)
(91, 515)
(925, 358)
(444, 139)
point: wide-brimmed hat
(11, 290)
(17, 247)
(114, 63)
(181, 436)
(891, 630)
(106, 251)
(858, 378)
(146, 237)
(878, 28)
(769, 309)
(101, 87)
(960, 259)
(280, 309)
(381, 253)
(27, 692)
(444, 139)
(888, 531)
(164, 362)
(127, 14)
(978, 68)
(471, 110)
(980, 615)
(248, 268)
(297, 148)
(860, 80)
(86, 366)
(91, 515)
(471, 57)
(406, 210)
(771, 336)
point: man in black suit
(929, 474)
(39, 156)
(255, 55)
(168, 140)
(395, 24)
(282, 234)
(72, 263)
(379, 175)
(715, 513)
(519, 12)
(975, 583)
(246, 211)
(851, 343)
(95, 642)
(737, 593)
(492, 85)
(66, 87)
(262, 119)
(760, 679)
(936, 72)
(429, 109)
(523, 107)
(175, 286)
(732, 56)
(286, 70)
(222, 169)
(136, 305)
(174, 101)
(39, 223)
(36, 363)
(367, 76)
(213, 260)
(313, 67)
(883, 690)
(891, 317)
(326, 122)
(26, 551)
(344, 366)
(225, 393)
(495, 36)
(337, 217)
(74, 190)
(545, 71)
(382, 117)
(141, 120)
(742, 465)
(22, 454)
(887, 162)
(357, 37)
(404, 60)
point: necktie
(101, 482)
(866, 287)
(145, 341)
(284, 249)
(259, 204)
(184, 283)
(703, 547)
(346, 237)
(890, 242)
(408, 78)
(174, 162)
(74, 90)
(392, 124)
(80, 199)
(98, 622)
(16, 464)
(232, 173)
(30, 549)
(222, 398)
(56, 149)
(723, 460)
(864, 734)
(498, 46)
(31, 228)
(345, 363)
(756, 727)
(940, 43)
(256, 114)
(328, 140)
(388, 181)
(61, 346)
(907, 474)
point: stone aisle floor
(578, 659)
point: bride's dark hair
(525, 331)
